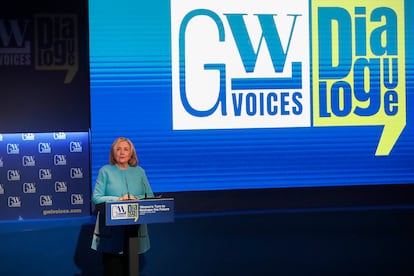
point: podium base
(131, 249)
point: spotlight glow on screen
(222, 95)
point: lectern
(125, 218)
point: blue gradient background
(130, 65)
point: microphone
(145, 189)
(126, 183)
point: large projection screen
(233, 95)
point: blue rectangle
(149, 211)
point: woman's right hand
(127, 197)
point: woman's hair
(133, 162)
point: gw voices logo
(239, 64)
(15, 42)
(13, 148)
(60, 160)
(45, 200)
(28, 161)
(14, 202)
(28, 136)
(61, 186)
(75, 146)
(44, 147)
(29, 188)
(77, 199)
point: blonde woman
(121, 179)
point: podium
(127, 216)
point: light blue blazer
(111, 184)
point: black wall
(44, 66)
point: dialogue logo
(240, 64)
(359, 67)
(57, 43)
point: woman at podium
(121, 179)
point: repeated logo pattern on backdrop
(261, 64)
(44, 175)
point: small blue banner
(146, 211)
(44, 175)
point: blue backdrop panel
(44, 175)
(134, 59)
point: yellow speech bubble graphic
(133, 211)
(358, 67)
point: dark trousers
(117, 264)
